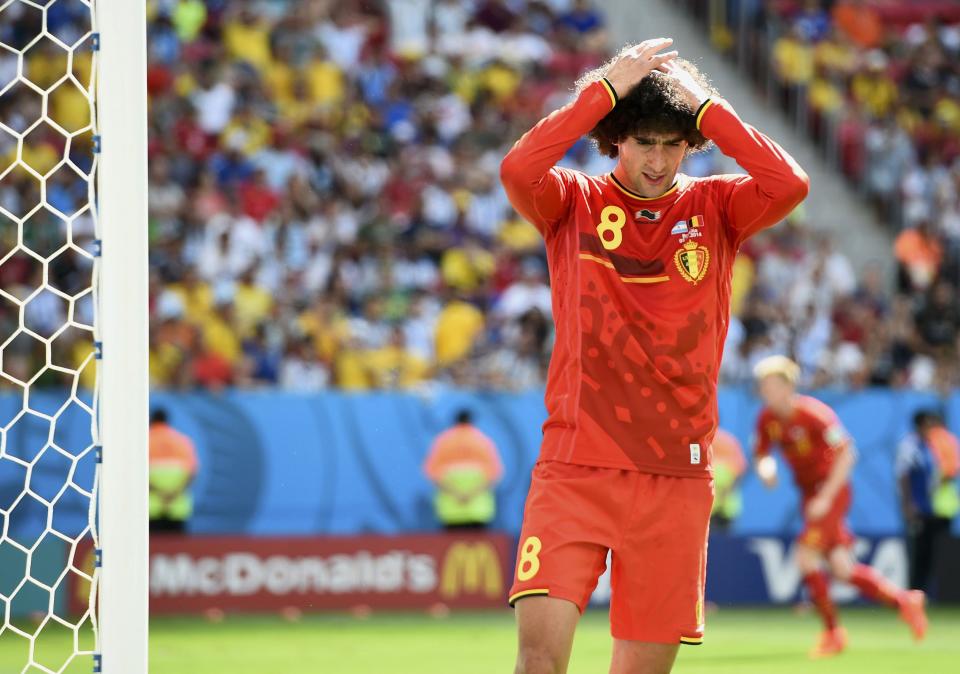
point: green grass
(756, 641)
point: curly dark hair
(654, 105)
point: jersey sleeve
(540, 191)
(823, 424)
(762, 442)
(775, 183)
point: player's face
(651, 161)
(776, 392)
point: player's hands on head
(638, 61)
(694, 93)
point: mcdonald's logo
(471, 568)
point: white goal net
(49, 340)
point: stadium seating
(325, 209)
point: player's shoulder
(765, 417)
(582, 182)
(718, 182)
(816, 410)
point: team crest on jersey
(647, 214)
(692, 261)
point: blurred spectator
(928, 491)
(729, 465)
(173, 468)
(465, 466)
(858, 20)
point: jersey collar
(633, 195)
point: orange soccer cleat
(832, 642)
(913, 612)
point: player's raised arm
(775, 184)
(539, 191)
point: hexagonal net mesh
(49, 261)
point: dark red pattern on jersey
(626, 266)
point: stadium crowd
(325, 209)
(877, 83)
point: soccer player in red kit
(821, 455)
(640, 263)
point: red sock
(819, 591)
(873, 586)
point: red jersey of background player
(810, 440)
(641, 287)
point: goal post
(123, 327)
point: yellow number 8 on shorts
(529, 563)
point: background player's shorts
(831, 530)
(656, 526)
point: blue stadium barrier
(336, 463)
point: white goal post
(123, 304)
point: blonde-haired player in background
(821, 454)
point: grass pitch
(754, 641)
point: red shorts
(830, 531)
(656, 527)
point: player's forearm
(839, 474)
(779, 182)
(525, 171)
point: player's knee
(841, 568)
(538, 660)
(807, 562)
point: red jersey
(641, 287)
(810, 440)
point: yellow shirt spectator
(825, 96)
(458, 325)
(252, 306)
(188, 18)
(793, 60)
(39, 155)
(394, 367)
(220, 338)
(88, 375)
(327, 330)
(197, 300)
(466, 268)
(350, 370)
(165, 360)
(876, 92)
(835, 56)
(947, 112)
(279, 78)
(743, 273)
(70, 107)
(501, 81)
(248, 41)
(518, 235)
(254, 131)
(325, 82)
(46, 64)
